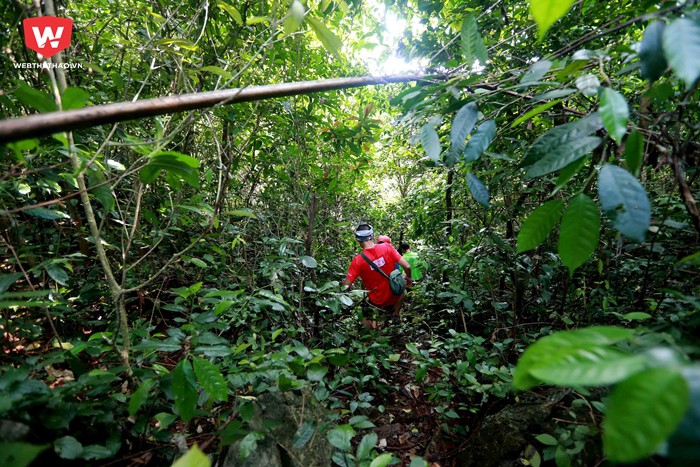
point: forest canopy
(173, 249)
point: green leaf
(462, 125)
(536, 111)
(31, 97)
(198, 262)
(588, 365)
(478, 190)
(614, 112)
(430, 141)
(74, 98)
(480, 141)
(211, 379)
(568, 172)
(68, 447)
(140, 396)
(6, 280)
(559, 135)
(562, 156)
(634, 151)
(651, 54)
(329, 40)
(242, 213)
(536, 72)
(194, 457)
(418, 461)
(57, 273)
(341, 436)
(232, 12)
(681, 43)
(635, 316)
(539, 224)
(303, 434)
(250, 443)
(184, 390)
(547, 439)
(19, 454)
(316, 372)
(547, 12)
(544, 349)
(217, 70)
(294, 17)
(624, 201)
(382, 460)
(473, 46)
(579, 232)
(103, 193)
(642, 412)
(309, 262)
(48, 214)
(364, 448)
(588, 85)
(175, 164)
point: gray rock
(280, 416)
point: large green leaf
(588, 365)
(473, 46)
(681, 43)
(651, 54)
(341, 436)
(462, 125)
(211, 379)
(478, 190)
(614, 112)
(330, 41)
(642, 412)
(430, 141)
(536, 111)
(103, 192)
(184, 390)
(579, 232)
(634, 151)
(568, 172)
(34, 98)
(364, 448)
(175, 164)
(563, 155)
(294, 17)
(57, 273)
(624, 201)
(536, 72)
(194, 457)
(19, 453)
(140, 396)
(559, 135)
(548, 347)
(480, 141)
(539, 224)
(547, 12)
(684, 444)
(67, 447)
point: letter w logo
(48, 35)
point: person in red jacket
(385, 257)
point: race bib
(379, 261)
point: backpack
(397, 283)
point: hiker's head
(364, 232)
(384, 239)
(404, 247)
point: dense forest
(171, 277)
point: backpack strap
(374, 266)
